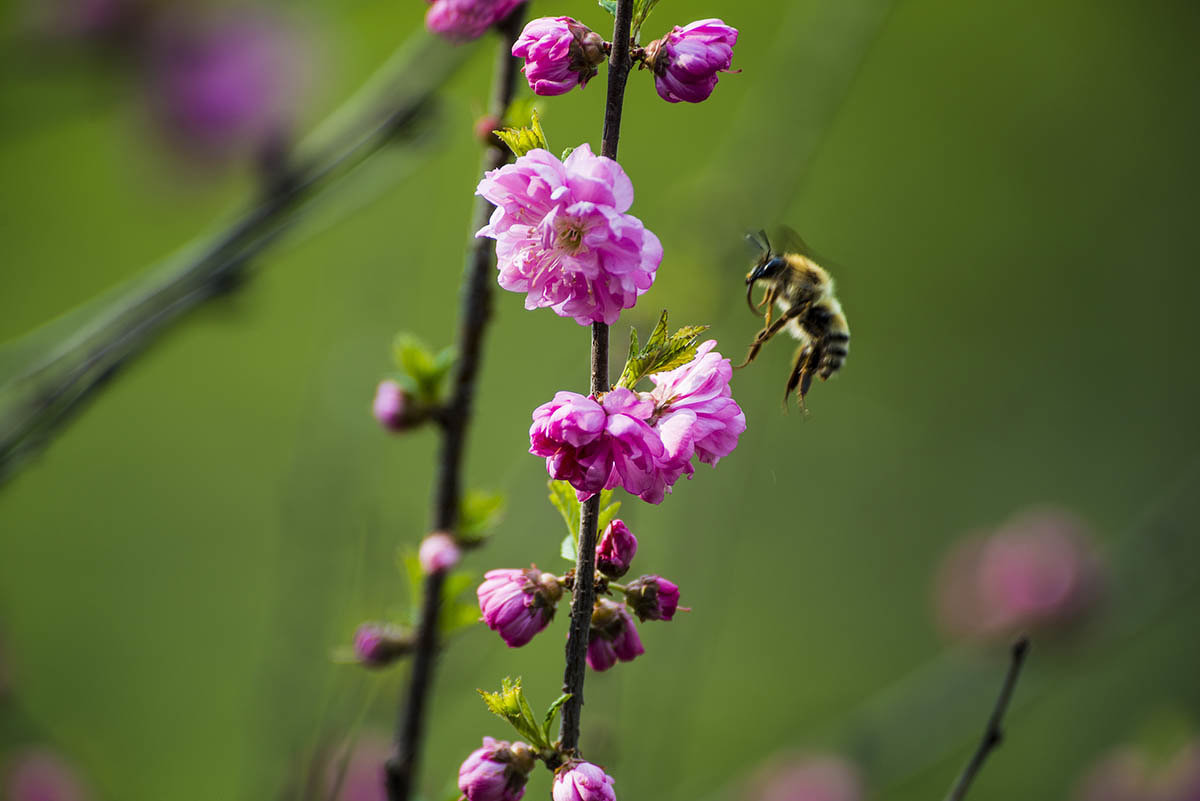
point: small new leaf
(479, 513)
(562, 495)
(661, 353)
(641, 10)
(552, 712)
(607, 513)
(568, 550)
(410, 565)
(610, 6)
(425, 372)
(521, 140)
(510, 704)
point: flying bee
(803, 291)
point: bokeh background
(1007, 194)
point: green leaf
(610, 6)
(568, 550)
(661, 353)
(607, 514)
(425, 372)
(479, 513)
(562, 495)
(521, 140)
(410, 566)
(510, 704)
(641, 10)
(552, 712)
(566, 153)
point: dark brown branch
(53, 392)
(583, 595)
(994, 733)
(475, 311)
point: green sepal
(510, 704)
(521, 140)
(661, 353)
(479, 513)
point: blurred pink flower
(563, 237)
(41, 775)
(225, 86)
(1126, 774)
(439, 552)
(464, 20)
(805, 777)
(364, 779)
(1039, 571)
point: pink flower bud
(518, 603)
(560, 54)
(615, 551)
(439, 552)
(613, 636)
(39, 775)
(497, 771)
(652, 598)
(391, 401)
(484, 127)
(686, 61)
(464, 20)
(378, 644)
(582, 781)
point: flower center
(570, 235)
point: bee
(803, 291)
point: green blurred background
(1007, 191)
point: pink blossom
(1129, 774)
(613, 636)
(496, 772)
(563, 237)
(582, 781)
(464, 20)
(616, 549)
(364, 779)
(701, 387)
(652, 598)
(518, 603)
(438, 553)
(560, 54)
(686, 61)
(41, 775)
(1039, 571)
(806, 777)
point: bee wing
(786, 240)
(759, 240)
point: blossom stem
(993, 734)
(583, 595)
(474, 314)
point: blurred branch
(994, 733)
(63, 365)
(474, 314)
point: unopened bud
(560, 53)
(652, 598)
(391, 406)
(616, 549)
(439, 552)
(378, 644)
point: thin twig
(56, 389)
(476, 310)
(583, 594)
(994, 732)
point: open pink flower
(464, 20)
(582, 781)
(560, 53)
(563, 237)
(518, 603)
(686, 61)
(701, 387)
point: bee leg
(769, 301)
(800, 374)
(763, 336)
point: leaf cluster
(521, 140)
(424, 372)
(662, 351)
(510, 703)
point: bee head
(768, 267)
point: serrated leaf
(567, 153)
(552, 712)
(479, 513)
(610, 6)
(661, 352)
(568, 550)
(562, 495)
(521, 140)
(510, 704)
